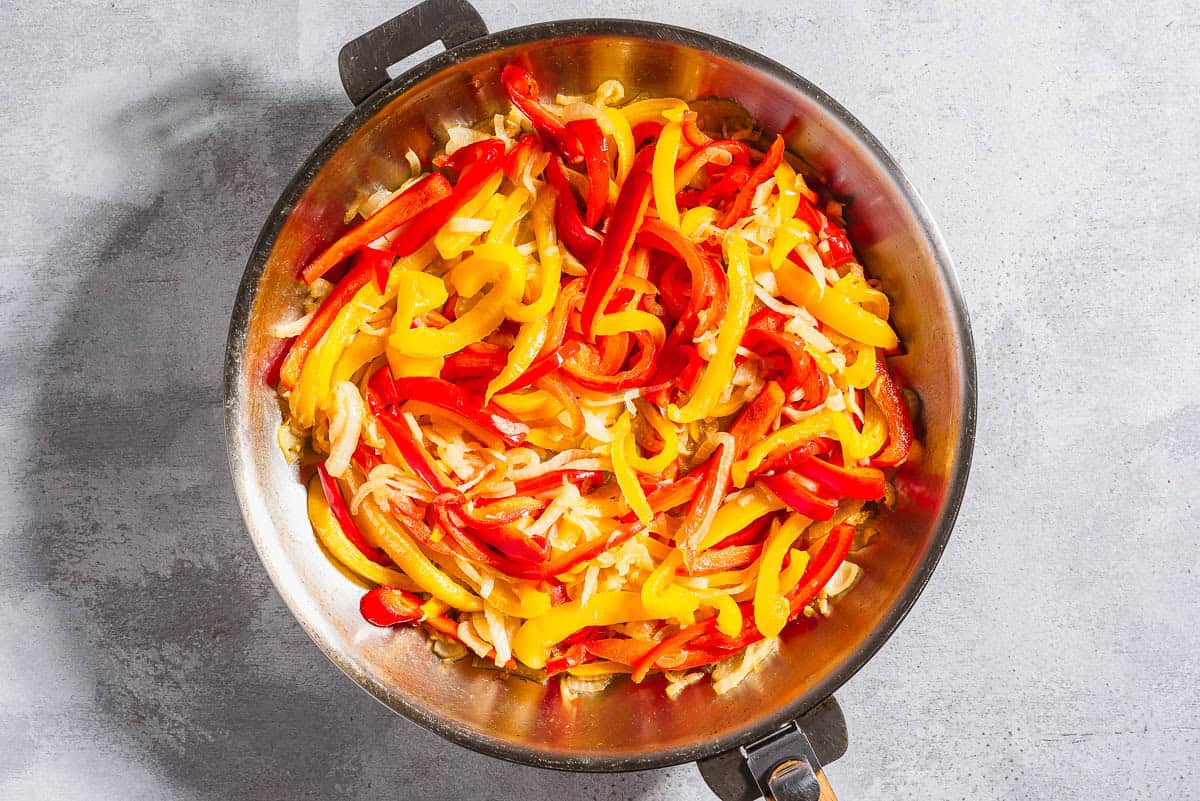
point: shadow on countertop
(194, 659)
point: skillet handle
(363, 62)
(784, 766)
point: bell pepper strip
(825, 422)
(799, 364)
(556, 479)
(664, 600)
(738, 511)
(409, 558)
(562, 314)
(549, 267)
(595, 158)
(545, 364)
(525, 349)
(771, 607)
(568, 401)
(833, 308)
(622, 444)
(485, 170)
(789, 460)
(758, 418)
(413, 453)
(761, 172)
(446, 526)
(444, 395)
(666, 153)
(507, 539)
(622, 135)
(861, 372)
(801, 495)
(733, 557)
(750, 535)
(480, 362)
(486, 206)
(508, 217)
(518, 155)
(390, 606)
(860, 483)
(666, 433)
(417, 293)
(584, 367)
(652, 110)
(788, 199)
(623, 226)
(523, 91)
(722, 153)
(631, 320)
(719, 371)
(345, 290)
(707, 281)
(835, 248)
(575, 234)
(790, 235)
(890, 400)
(723, 189)
(821, 567)
(341, 512)
(670, 648)
(532, 642)
(613, 351)
(623, 650)
(352, 555)
(404, 207)
(698, 523)
(482, 319)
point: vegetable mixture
(596, 392)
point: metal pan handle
(785, 765)
(363, 62)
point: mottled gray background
(143, 652)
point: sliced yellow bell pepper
(532, 642)
(380, 529)
(532, 404)
(363, 350)
(484, 205)
(788, 200)
(622, 135)
(651, 110)
(523, 601)
(599, 668)
(666, 432)
(739, 511)
(330, 534)
(729, 614)
(865, 295)
(549, 264)
(792, 574)
(632, 320)
(719, 371)
(416, 293)
(861, 372)
(855, 444)
(790, 234)
(834, 308)
(504, 227)
(771, 608)
(695, 217)
(662, 169)
(665, 600)
(622, 444)
(528, 342)
(481, 320)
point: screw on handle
(363, 62)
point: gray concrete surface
(143, 652)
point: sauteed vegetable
(599, 390)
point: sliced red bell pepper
(623, 226)
(727, 186)
(518, 155)
(835, 250)
(757, 419)
(572, 230)
(767, 319)
(799, 364)
(807, 213)
(555, 479)
(507, 539)
(716, 560)
(691, 130)
(712, 491)
(574, 656)
(735, 152)
(822, 567)
(755, 532)
(341, 513)
(522, 89)
(584, 367)
(486, 160)
(390, 606)
(449, 397)
(560, 316)
(671, 647)
(861, 483)
(623, 650)
(418, 198)
(800, 494)
(544, 366)
(595, 157)
(789, 459)
(413, 453)
(480, 362)
(764, 170)
(708, 280)
(343, 293)
(569, 402)
(890, 400)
